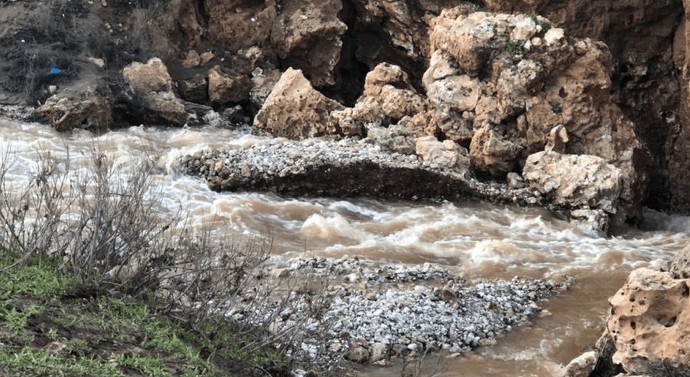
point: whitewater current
(472, 239)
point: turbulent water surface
(473, 239)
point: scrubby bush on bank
(120, 270)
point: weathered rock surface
(308, 36)
(224, 89)
(649, 323)
(513, 81)
(151, 76)
(512, 90)
(85, 106)
(581, 366)
(574, 180)
(152, 86)
(295, 110)
(388, 97)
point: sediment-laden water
(475, 240)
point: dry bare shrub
(114, 224)
(103, 222)
(31, 217)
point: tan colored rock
(165, 107)
(153, 84)
(308, 36)
(388, 97)
(679, 267)
(295, 110)
(492, 152)
(466, 38)
(150, 77)
(98, 62)
(225, 89)
(85, 107)
(581, 366)
(442, 155)
(237, 24)
(191, 59)
(510, 109)
(557, 140)
(206, 57)
(649, 322)
(575, 180)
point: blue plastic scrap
(54, 70)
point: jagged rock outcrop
(645, 79)
(514, 78)
(295, 110)
(308, 36)
(388, 97)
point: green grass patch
(51, 326)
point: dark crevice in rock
(350, 72)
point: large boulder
(153, 96)
(80, 106)
(650, 324)
(151, 76)
(296, 110)
(575, 180)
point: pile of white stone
(368, 312)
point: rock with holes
(650, 324)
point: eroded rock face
(308, 36)
(224, 89)
(388, 97)
(574, 180)
(513, 81)
(649, 323)
(296, 110)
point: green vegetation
(50, 328)
(94, 284)
(545, 25)
(513, 47)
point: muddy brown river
(476, 240)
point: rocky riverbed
(364, 311)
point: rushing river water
(473, 239)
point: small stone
(581, 366)
(379, 351)
(358, 354)
(281, 272)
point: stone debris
(393, 310)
